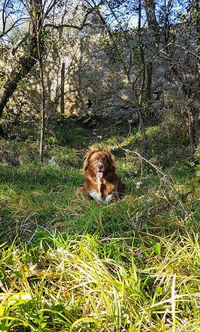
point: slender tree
(25, 63)
(198, 44)
(37, 25)
(197, 14)
(149, 6)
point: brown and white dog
(100, 181)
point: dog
(100, 180)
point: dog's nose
(100, 167)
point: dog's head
(99, 162)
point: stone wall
(95, 81)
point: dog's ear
(87, 160)
(110, 156)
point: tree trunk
(62, 97)
(24, 66)
(42, 112)
(43, 106)
(141, 94)
(197, 151)
(149, 81)
(153, 25)
(141, 46)
(198, 47)
(27, 61)
(149, 6)
(37, 28)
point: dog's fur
(100, 181)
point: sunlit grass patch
(36, 195)
(91, 283)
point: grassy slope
(70, 264)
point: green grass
(85, 283)
(69, 264)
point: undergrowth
(69, 264)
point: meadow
(70, 264)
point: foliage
(107, 45)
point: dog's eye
(105, 159)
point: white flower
(138, 184)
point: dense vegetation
(69, 264)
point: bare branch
(68, 25)
(5, 32)
(11, 17)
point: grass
(69, 264)
(86, 283)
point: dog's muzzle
(100, 169)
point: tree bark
(62, 97)
(27, 61)
(149, 81)
(197, 150)
(23, 67)
(149, 6)
(141, 46)
(198, 44)
(153, 25)
(37, 28)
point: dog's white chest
(97, 196)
